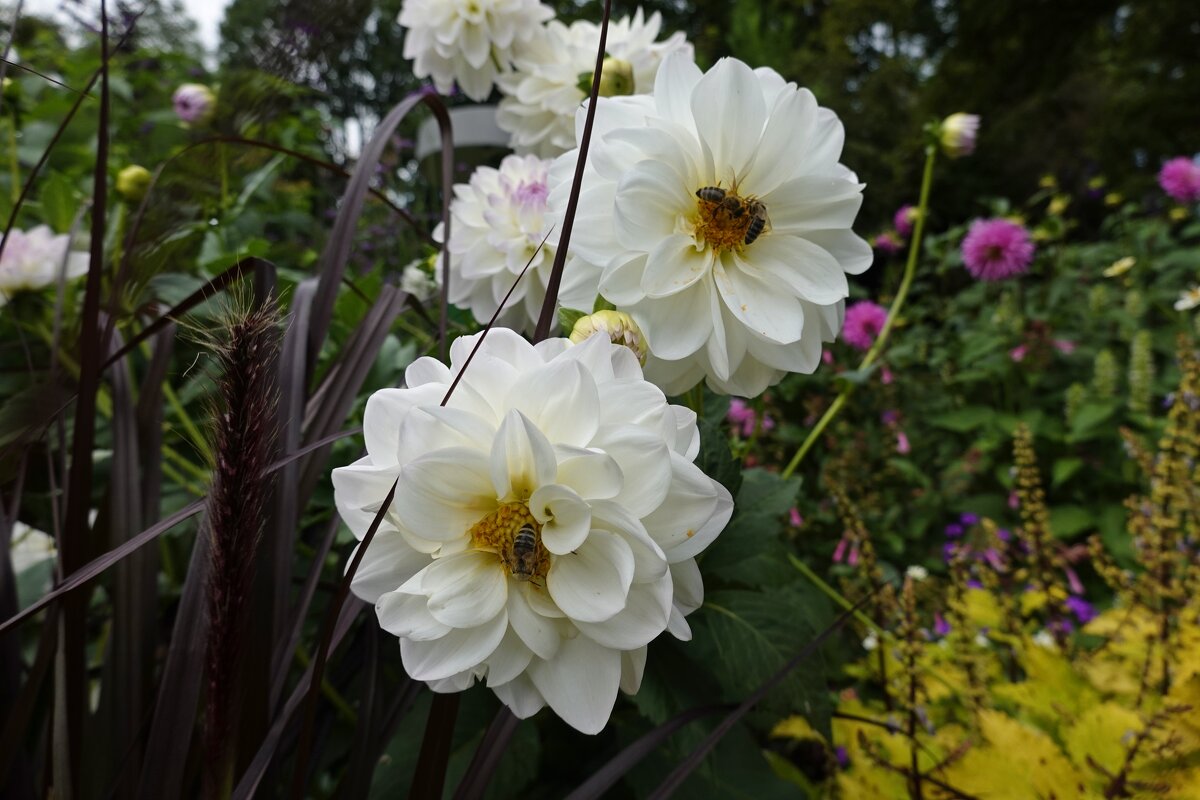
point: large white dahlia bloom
(553, 74)
(34, 259)
(719, 217)
(468, 41)
(498, 221)
(545, 524)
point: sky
(207, 13)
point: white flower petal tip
(468, 44)
(719, 218)
(536, 543)
(35, 259)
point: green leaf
(1067, 521)
(1063, 469)
(59, 201)
(749, 551)
(964, 419)
(1089, 420)
(715, 457)
(567, 317)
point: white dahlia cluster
(545, 523)
(34, 259)
(716, 213)
(467, 42)
(498, 221)
(552, 76)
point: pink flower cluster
(863, 322)
(905, 218)
(1180, 178)
(996, 249)
(744, 419)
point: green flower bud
(132, 183)
(1104, 374)
(617, 325)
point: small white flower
(467, 41)
(917, 573)
(499, 220)
(871, 642)
(741, 284)
(419, 279)
(1188, 299)
(1044, 638)
(545, 525)
(553, 74)
(33, 260)
(981, 640)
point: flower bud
(616, 78)
(1141, 372)
(617, 325)
(1076, 396)
(194, 103)
(132, 183)
(958, 133)
(1135, 303)
(1104, 374)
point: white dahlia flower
(498, 222)
(467, 41)
(719, 217)
(544, 527)
(33, 260)
(553, 75)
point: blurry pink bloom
(839, 552)
(863, 322)
(886, 375)
(902, 445)
(1018, 353)
(1073, 581)
(1014, 499)
(1180, 179)
(744, 419)
(889, 243)
(853, 559)
(194, 103)
(827, 357)
(995, 249)
(795, 518)
(904, 219)
(1064, 346)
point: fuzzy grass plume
(244, 444)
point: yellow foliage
(1101, 735)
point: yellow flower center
(515, 536)
(726, 220)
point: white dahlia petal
(718, 217)
(536, 520)
(464, 42)
(35, 259)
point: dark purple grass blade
(17, 740)
(430, 775)
(171, 730)
(70, 697)
(678, 775)
(360, 762)
(285, 516)
(341, 238)
(247, 786)
(487, 755)
(607, 776)
(549, 314)
(96, 566)
(130, 668)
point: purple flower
(1180, 179)
(996, 249)
(194, 103)
(744, 419)
(969, 519)
(889, 243)
(1084, 611)
(954, 530)
(904, 219)
(864, 320)
(940, 626)
(843, 758)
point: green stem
(197, 438)
(14, 164)
(910, 269)
(834, 594)
(344, 709)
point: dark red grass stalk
(245, 431)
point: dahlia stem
(910, 269)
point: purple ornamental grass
(1180, 179)
(996, 249)
(863, 322)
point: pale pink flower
(1064, 346)
(902, 445)
(995, 249)
(1019, 352)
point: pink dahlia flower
(1180, 178)
(995, 249)
(864, 320)
(906, 217)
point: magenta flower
(1018, 353)
(902, 445)
(889, 243)
(795, 518)
(863, 322)
(1180, 179)
(995, 249)
(940, 626)
(745, 420)
(905, 218)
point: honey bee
(524, 562)
(713, 194)
(758, 218)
